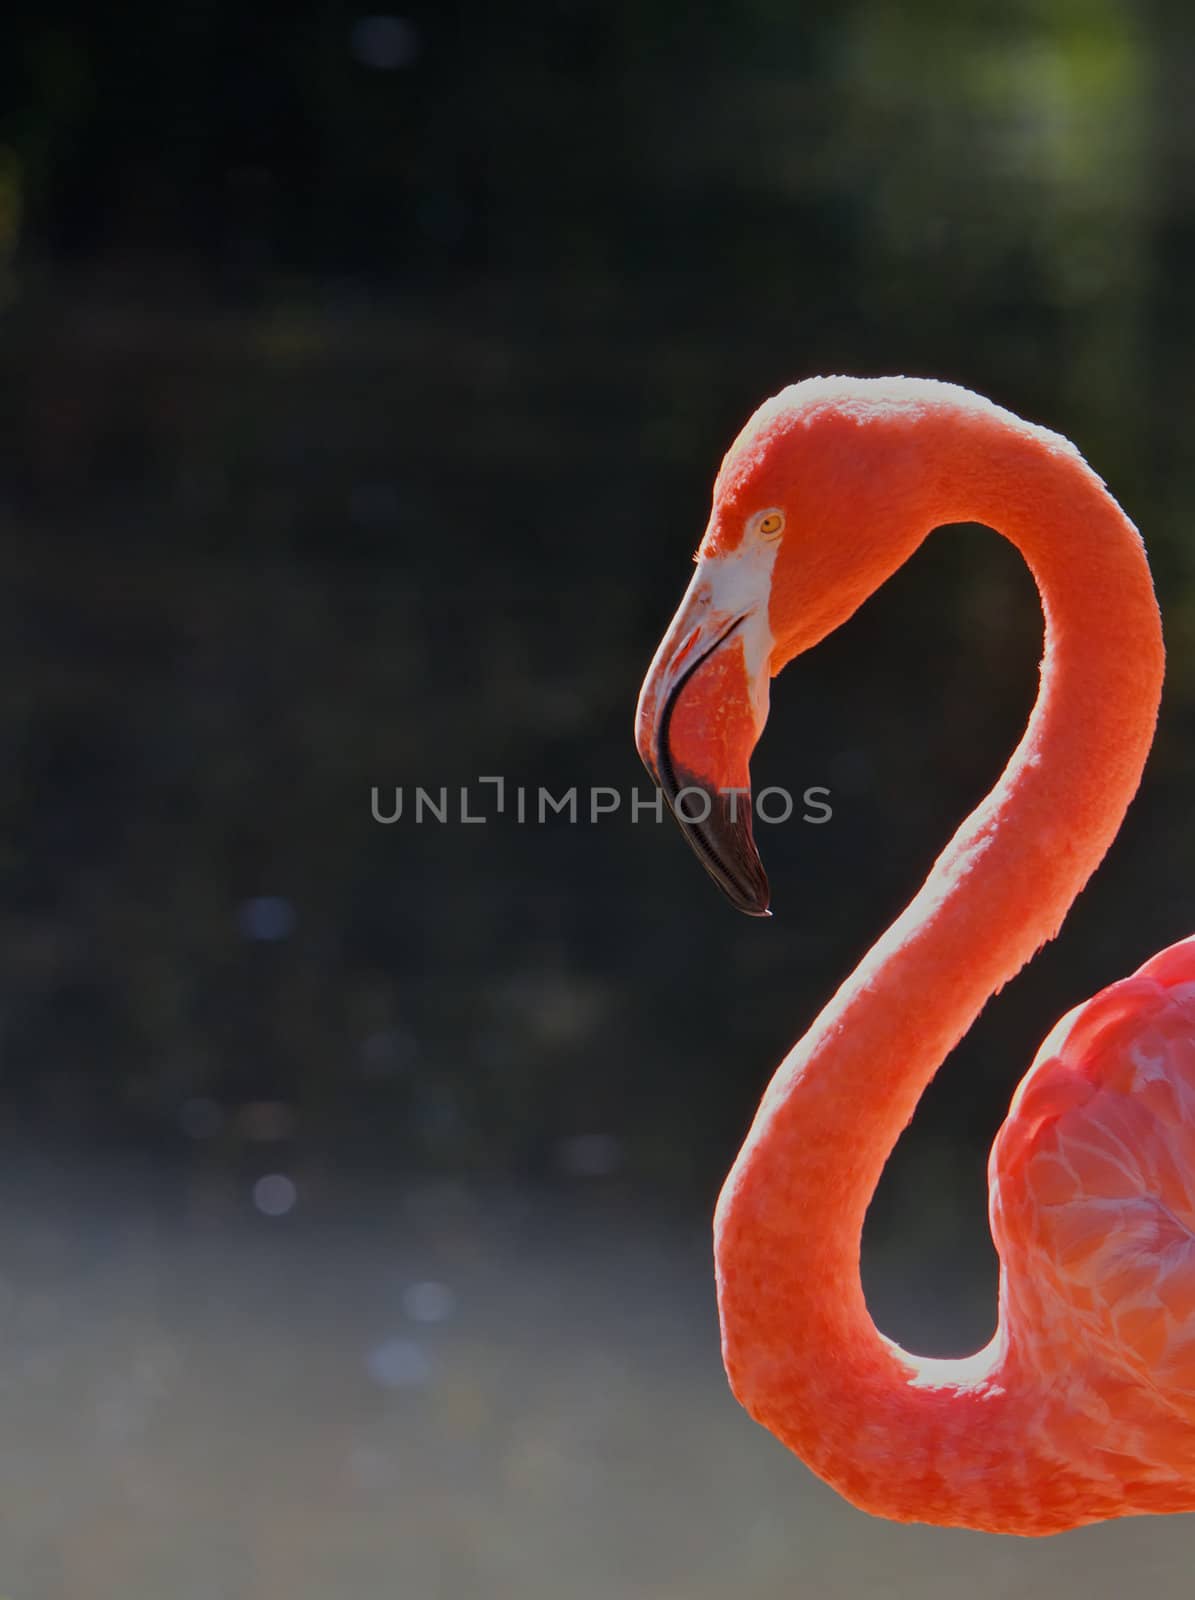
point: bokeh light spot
(274, 1195)
(384, 43)
(428, 1301)
(398, 1364)
(267, 918)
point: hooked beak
(701, 710)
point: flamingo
(1082, 1406)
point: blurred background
(364, 378)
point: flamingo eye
(771, 523)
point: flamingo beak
(701, 710)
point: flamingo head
(817, 502)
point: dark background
(364, 378)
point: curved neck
(897, 1435)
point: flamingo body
(1082, 1407)
(1092, 1181)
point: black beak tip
(753, 900)
(733, 863)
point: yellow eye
(771, 525)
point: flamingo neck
(907, 1438)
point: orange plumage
(1083, 1405)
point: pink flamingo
(1082, 1407)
